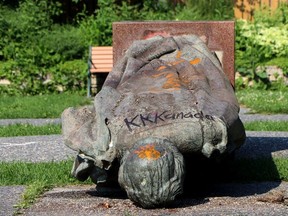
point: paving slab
(264, 144)
(260, 117)
(9, 196)
(34, 149)
(36, 122)
(266, 198)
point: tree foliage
(44, 44)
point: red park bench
(100, 63)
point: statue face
(152, 172)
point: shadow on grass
(251, 171)
(263, 147)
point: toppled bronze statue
(167, 97)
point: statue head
(152, 172)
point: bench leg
(89, 85)
(100, 79)
(95, 83)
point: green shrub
(97, 29)
(208, 10)
(281, 62)
(272, 18)
(64, 43)
(70, 76)
(32, 80)
(259, 42)
(36, 54)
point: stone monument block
(218, 35)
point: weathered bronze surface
(166, 97)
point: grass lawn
(42, 106)
(264, 101)
(26, 173)
(29, 130)
(38, 177)
(266, 126)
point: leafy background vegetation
(261, 43)
(44, 44)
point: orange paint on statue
(178, 55)
(161, 68)
(177, 62)
(148, 152)
(172, 81)
(195, 61)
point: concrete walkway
(263, 199)
(86, 201)
(244, 116)
(36, 122)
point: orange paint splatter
(161, 68)
(195, 61)
(178, 55)
(148, 152)
(170, 64)
(177, 62)
(172, 81)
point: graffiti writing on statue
(142, 120)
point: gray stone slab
(246, 116)
(223, 199)
(9, 196)
(219, 36)
(34, 148)
(37, 122)
(259, 117)
(264, 144)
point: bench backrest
(101, 59)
